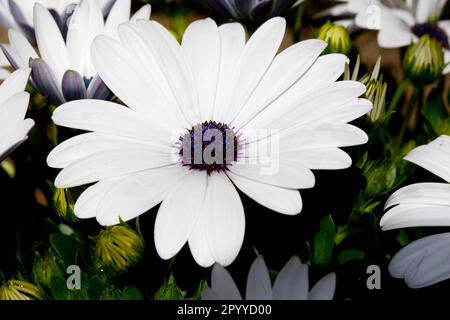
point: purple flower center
(209, 146)
(433, 31)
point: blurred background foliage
(338, 229)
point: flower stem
(409, 113)
(298, 21)
(398, 95)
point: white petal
(259, 286)
(423, 262)
(277, 172)
(198, 243)
(15, 83)
(50, 42)
(258, 54)
(286, 69)
(224, 219)
(110, 118)
(324, 288)
(84, 25)
(128, 79)
(178, 214)
(22, 48)
(421, 194)
(201, 44)
(113, 163)
(85, 145)
(223, 285)
(142, 13)
(163, 104)
(282, 200)
(292, 282)
(434, 157)
(232, 43)
(137, 194)
(415, 215)
(315, 108)
(173, 63)
(394, 32)
(320, 158)
(120, 13)
(87, 203)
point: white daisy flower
(292, 283)
(64, 70)
(13, 106)
(400, 22)
(426, 261)
(18, 14)
(213, 82)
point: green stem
(298, 21)
(398, 95)
(409, 113)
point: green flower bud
(46, 267)
(119, 247)
(424, 61)
(337, 37)
(375, 85)
(19, 290)
(64, 203)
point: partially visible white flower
(399, 22)
(426, 261)
(18, 14)
(13, 106)
(64, 70)
(292, 283)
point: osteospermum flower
(426, 261)
(400, 23)
(13, 106)
(64, 70)
(214, 83)
(292, 283)
(254, 10)
(18, 14)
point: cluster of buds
(376, 88)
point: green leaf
(350, 255)
(58, 288)
(131, 293)
(323, 243)
(170, 291)
(436, 118)
(198, 293)
(66, 247)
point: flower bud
(19, 290)
(64, 203)
(424, 61)
(337, 37)
(119, 247)
(46, 267)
